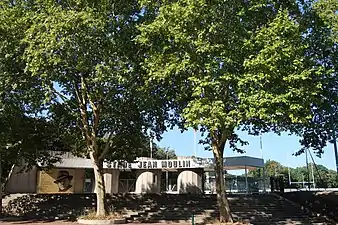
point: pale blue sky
(279, 148)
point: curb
(101, 222)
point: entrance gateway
(145, 175)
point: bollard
(193, 219)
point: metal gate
(127, 185)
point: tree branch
(223, 138)
(84, 116)
(63, 97)
(106, 147)
(8, 177)
(96, 108)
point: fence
(239, 185)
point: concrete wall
(22, 182)
(148, 181)
(47, 180)
(111, 180)
(190, 181)
(79, 180)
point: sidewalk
(32, 222)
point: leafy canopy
(234, 64)
(83, 55)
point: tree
(26, 142)
(234, 65)
(26, 137)
(158, 152)
(83, 55)
(164, 153)
(322, 39)
(271, 167)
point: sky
(274, 147)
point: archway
(190, 181)
(148, 181)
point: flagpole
(151, 146)
(195, 144)
(261, 145)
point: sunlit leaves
(328, 12)
(83, 55)
(240, 68)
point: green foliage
(327, 11)
(82, 56)
(26, 141)
(26, 137)
(272, 168)
(164, 153)
(322, 48)
(236, 64)
(242, 70)
(87, 65)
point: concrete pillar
(111, 180)
(190, 181)
(148, 181)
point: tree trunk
(99, 189)
(4, 183)
(223, 204)
(7, 178)
(1, 189)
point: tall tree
(26, 137)
(83, 54)
(322, 37)
(234, 65)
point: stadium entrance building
(145, 175)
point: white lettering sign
(153, 164)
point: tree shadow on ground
(49, 207)
(256, 209)
(270, 209)
(325, 203)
